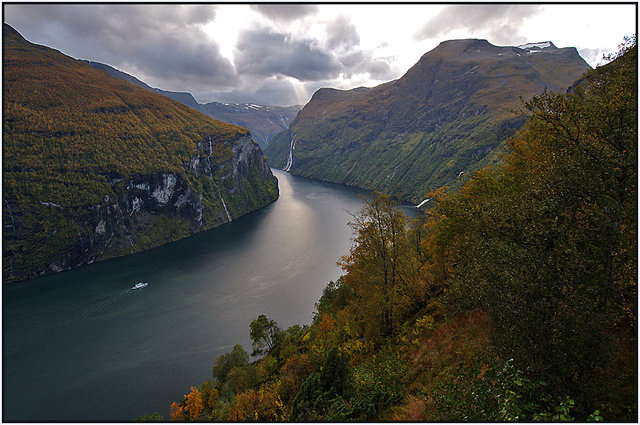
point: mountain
(96, 167)
(513, 299)
(262, 121)
(448, 116)
(182, 97)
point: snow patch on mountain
(537, 46)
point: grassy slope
(263, 121)
(446, 115)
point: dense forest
(511, 299)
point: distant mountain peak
(263, 121)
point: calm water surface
(82, 346)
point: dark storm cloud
(264, 53)
(341, 33)
(162, 42)
(284, 13)
(498, 23)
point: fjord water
(82, 346)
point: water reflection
(81, 346)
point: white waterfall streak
(284, 123)
(290, 159)
(223, 204)
(13, 223)
(422, 203)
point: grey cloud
(285, 13)
(162, 43)
(260, 52)
(342, 34)
(360, 62)
(165, 46)
(499, 23)
(274, 91)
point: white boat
(140, 285)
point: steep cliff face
(448, 116)
(96, 168)
(138, 212)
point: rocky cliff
(95, 167)
(448, 116)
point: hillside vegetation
(95, 167)
(512, 299)
(263, 121)
(447, 117)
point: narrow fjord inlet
(95, 344)
(319, 213)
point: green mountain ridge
(447, 117)
(96, 167)
(263, 121)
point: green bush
(495, 392)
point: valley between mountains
(506, 291)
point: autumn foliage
(72, 135)
(513, 298)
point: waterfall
(422, 203)
(224, 205)
(222, 199)
(284, 123)
(13, 223)
(290, 159)
(216, 183)
(125, 227)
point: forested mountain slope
(514, 298)
(182, 97)
(95, 167)
(445, 118)
(263, 121)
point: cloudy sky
(281, 54)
